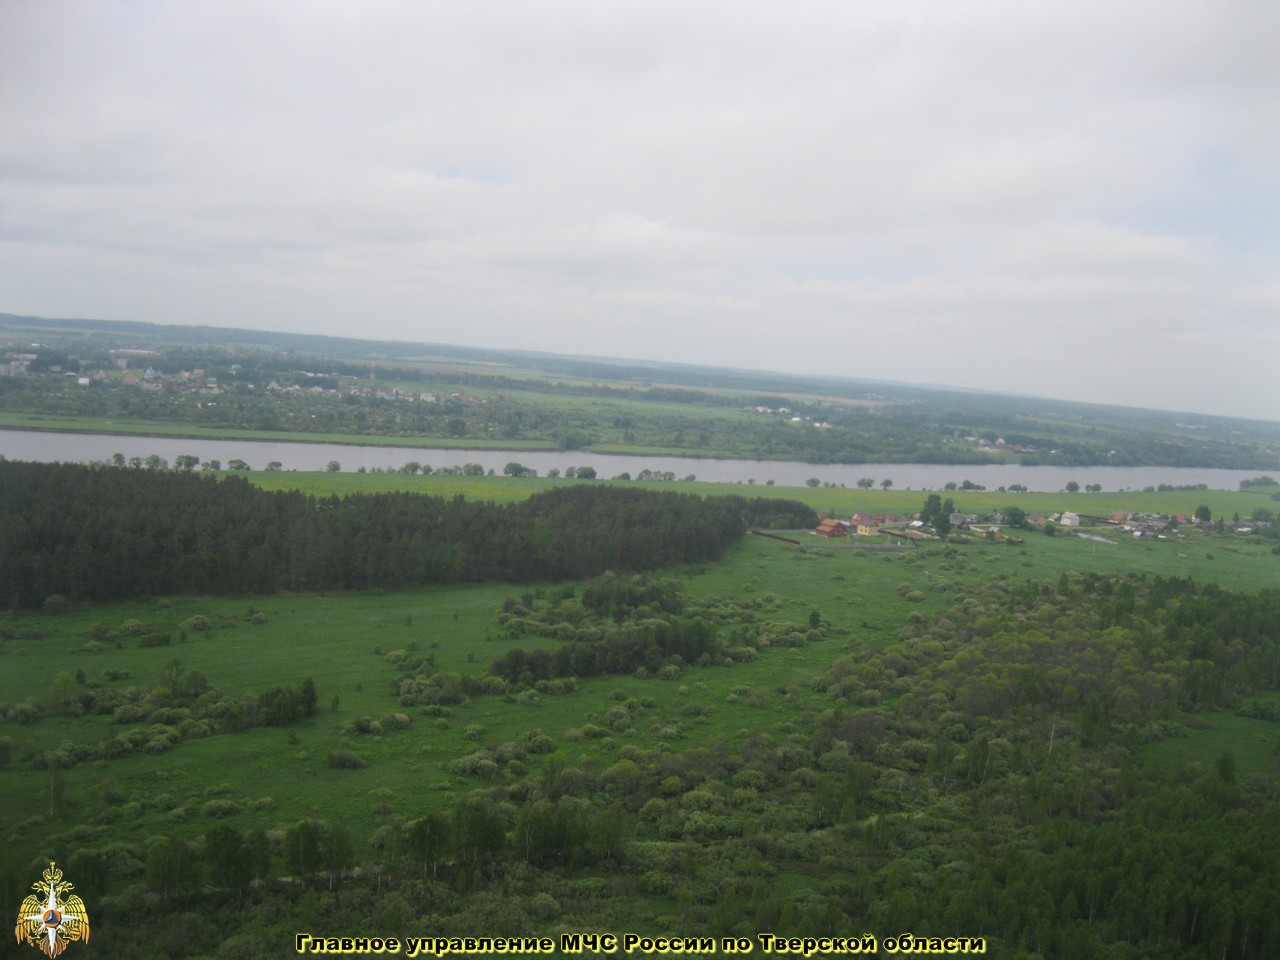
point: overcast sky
(1071, 199)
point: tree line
(98, 533)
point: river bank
(50, 446)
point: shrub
(475, 765)
(618, 718)
(362, 725)
(340, 758)
(56, 603)
(511, 751)
(25, 712)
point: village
(958, 526)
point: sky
(1076, 200)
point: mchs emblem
(54, 917)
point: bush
(56, 603)
(618, 718)
(340, 758)
(194, 729)
(362, 725)
(541, 743)
(475, 765)
(25, 712)
(220, 808)
(510, 752)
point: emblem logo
(55, 917)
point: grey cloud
(768, 185)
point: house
(1120, 516)
(1069, 519)
(832, 528)
(866, 529)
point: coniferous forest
(101, 533)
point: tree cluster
(936, 513)
(626, 625)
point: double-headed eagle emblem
(54, 918)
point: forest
(98, 533)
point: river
(92, 448)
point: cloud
(960, 193)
